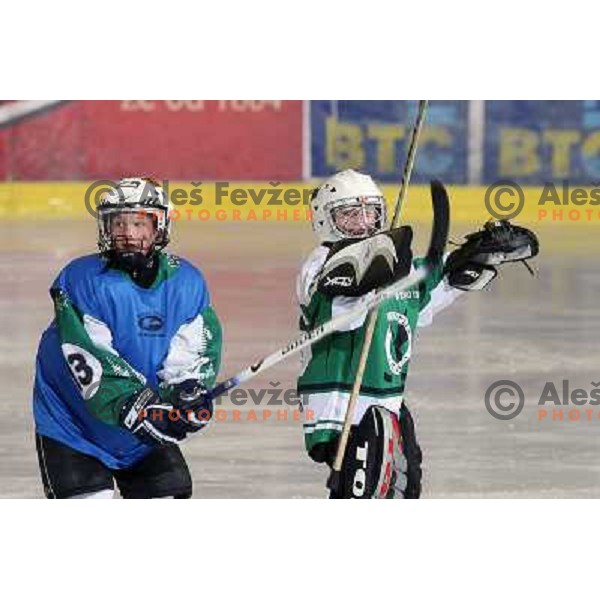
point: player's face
(357, 220)
(132, 232)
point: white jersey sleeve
(442, 296)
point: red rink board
(174, 139)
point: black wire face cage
(159, 215)
(377, 202)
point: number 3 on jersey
(85, 368)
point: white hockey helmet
(343, 190)
(139, 195)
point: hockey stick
(334, 479)
(439, 235)
(410, 161)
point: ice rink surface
(531, 331)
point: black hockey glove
(472, 265)
(182, 410)
(354, 268)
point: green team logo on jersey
(398, 345)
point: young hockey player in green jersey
(357, 255)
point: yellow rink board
(263, 201)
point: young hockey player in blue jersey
(356, 256)
(123, 369)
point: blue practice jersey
(165, 334)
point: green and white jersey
(329, 366)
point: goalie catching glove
(182, 410)
(354, 268)
(472, 265)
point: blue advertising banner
(372, 136)
(541, 141)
